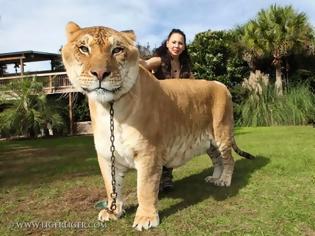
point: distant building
(54, 79)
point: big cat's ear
(130, 34)
(71, 28)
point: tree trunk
(278, 84)
(31, 133)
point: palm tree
(250, 43)
(276, 32)
(27, 109)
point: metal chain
(113, 195)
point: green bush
(81, 108)
(27, 109)
(214, 58)
(295, 107)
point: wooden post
(50, 84)
(22, 66)
(70, 113)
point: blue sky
(39, 24)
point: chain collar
(113, 195)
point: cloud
(42, 29)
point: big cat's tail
(240, 152)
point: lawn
(50, 186)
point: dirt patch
(307, 230)
(83, 198)
(24, 153)
(76, 199)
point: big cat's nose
(100, 74)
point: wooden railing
(53, 82)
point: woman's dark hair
(184, 59)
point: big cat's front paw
(146, 221)
(105, 215)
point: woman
(170, 60)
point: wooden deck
(53, 82)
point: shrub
(27, 110)
(295, 107)
(213, 57)
(81, 108)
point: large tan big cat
(157, 123)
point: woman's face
(176, 44)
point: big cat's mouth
(113, 90)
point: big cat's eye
(117, 50)
(84, 49)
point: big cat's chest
(125, 140)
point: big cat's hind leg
(220, 153)
(216, 159)
(228, 167)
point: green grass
(58, 180)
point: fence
(53, 82)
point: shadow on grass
(32, 166)
(193, 189)
(240, 131)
